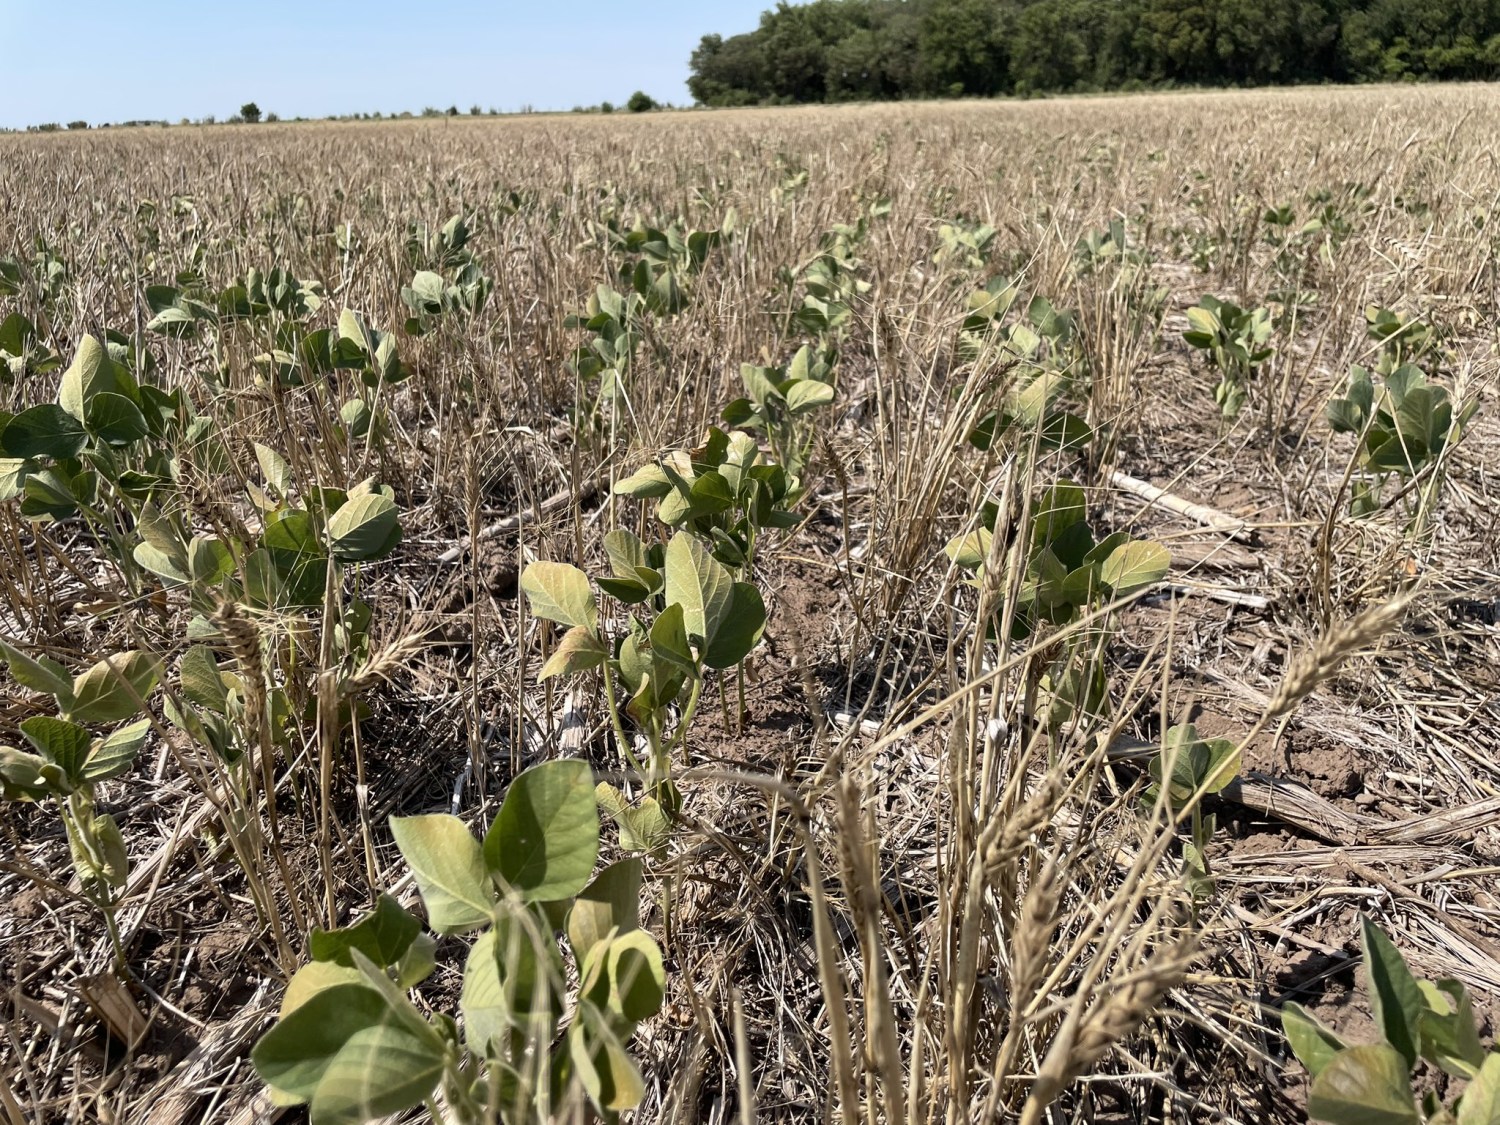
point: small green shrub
(1186, 769)
(699, 617)
(1066, 574)
(1036, 362)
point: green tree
(961, 47)
(728, 72)
(250, 113)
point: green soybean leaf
(806, 395)
(559, 592)
(113, 689)
(609, 904)
(292, 539)
(350, 1054)
(482, 999)
(357, 416)
(448, 864)
(28, 777)
(210, 561)
(1481, 1100)
(760, 383)
(352, 327)
(971, 550)
(1313, 1044)
(48, 495)
(579, 650)
(43, 431)
(113, 754)
(1394, 997)
(417, 963)
(292, 1057)
(710, 494)
(113, 862)
(644, 826)
(669, 639)
(63, 743)
(92, 373)
(40, 673)
(1134, 566)
(202, 681)
(603, 1065)
(273, 468)
(740, 630)
(531, 963)
(1222, 766)
(625, 552)
(637, 979)
(700, 584)
(1364, 1086)
(364, 528)
(545, 838)
(628, 591)
(647, 481)
(116, 420)
(383, 935)
(161, 563)
(313, 978)
(1449, 1037)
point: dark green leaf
(43, 431)
(1394, 996)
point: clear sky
(111, 60)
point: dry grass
(896, 898)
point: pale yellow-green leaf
(560, 592)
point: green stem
(687, 715)
(619, 726)
(739, 724)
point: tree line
(848, 50)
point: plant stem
(687, 715)
(617, 722)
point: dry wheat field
(924, 613)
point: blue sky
(108, 60)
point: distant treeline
(841, 50)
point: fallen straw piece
(1232, 526)
(584, 492)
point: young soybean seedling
(1235, 340)
(1186, 769)
(1404, 427)
(723, 493)
(352, 1046)
(1419, 1021)
(781, 403)
(703, 618)
(66, 761)
(1067, 575)
(102, 450)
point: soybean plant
(66, 760)
(526, 1046)
(1419, 1021)
(694, 615)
